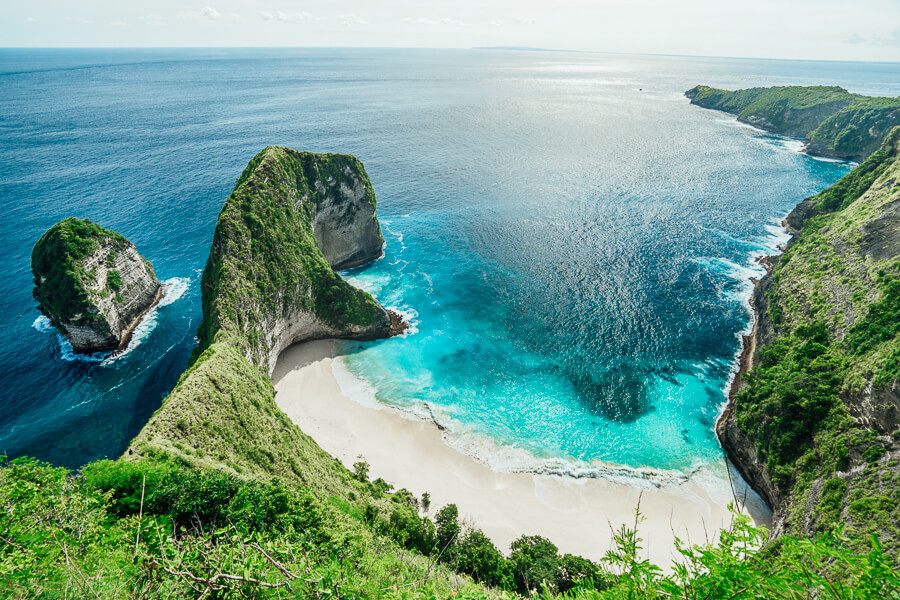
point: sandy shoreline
(578, 515)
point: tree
(536, 563)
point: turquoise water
(570, 238)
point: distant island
(833, 122)
(521, 49)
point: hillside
(832, 121)
(266, 285)
(815, 425)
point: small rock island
(92, 284)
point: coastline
(578, 514)
(129, 332)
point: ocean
(572, 241)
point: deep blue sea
(570, 238)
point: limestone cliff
(832, 121)
(269, 283)
(92, 284)
(814, 423)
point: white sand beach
(577, 514)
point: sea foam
(173, 289)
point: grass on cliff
(56, 262)
(834, 121)
(834, 301)
(265, 260)
(159, 530)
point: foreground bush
(153, 530)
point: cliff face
(268, 283)
(92, 284)
(832, 121)
(814, 425)
(344, 224)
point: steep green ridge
(264, 270)
(57, 258)
(265, 263)
(820, 407)
(834, 122)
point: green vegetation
(113, 280)
(222, 496)
(56, 261)
(833, 121)
(265, 262)
(160, 530)
(818, 405)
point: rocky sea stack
(92, 284)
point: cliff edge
(813, 422)
(92, 284)
(269, 283)
(833, 122)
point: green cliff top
(833, 121)
(56, 262)
(264, 259)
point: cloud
(348, 20)
(207, 12)
(514, 21)
(430, 21)
(891, 39)
(153, 19)
(299, 17)
(81, 20)
(31, 20)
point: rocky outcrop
(92, 284)
(292, 218)
(269, 282)
(832, 121)
(345, 226)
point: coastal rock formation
(813, 421)
(92, 284)
(832, 121)
(269, 282)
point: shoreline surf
(578, 514)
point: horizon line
(448, 48)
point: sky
(866, 30)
